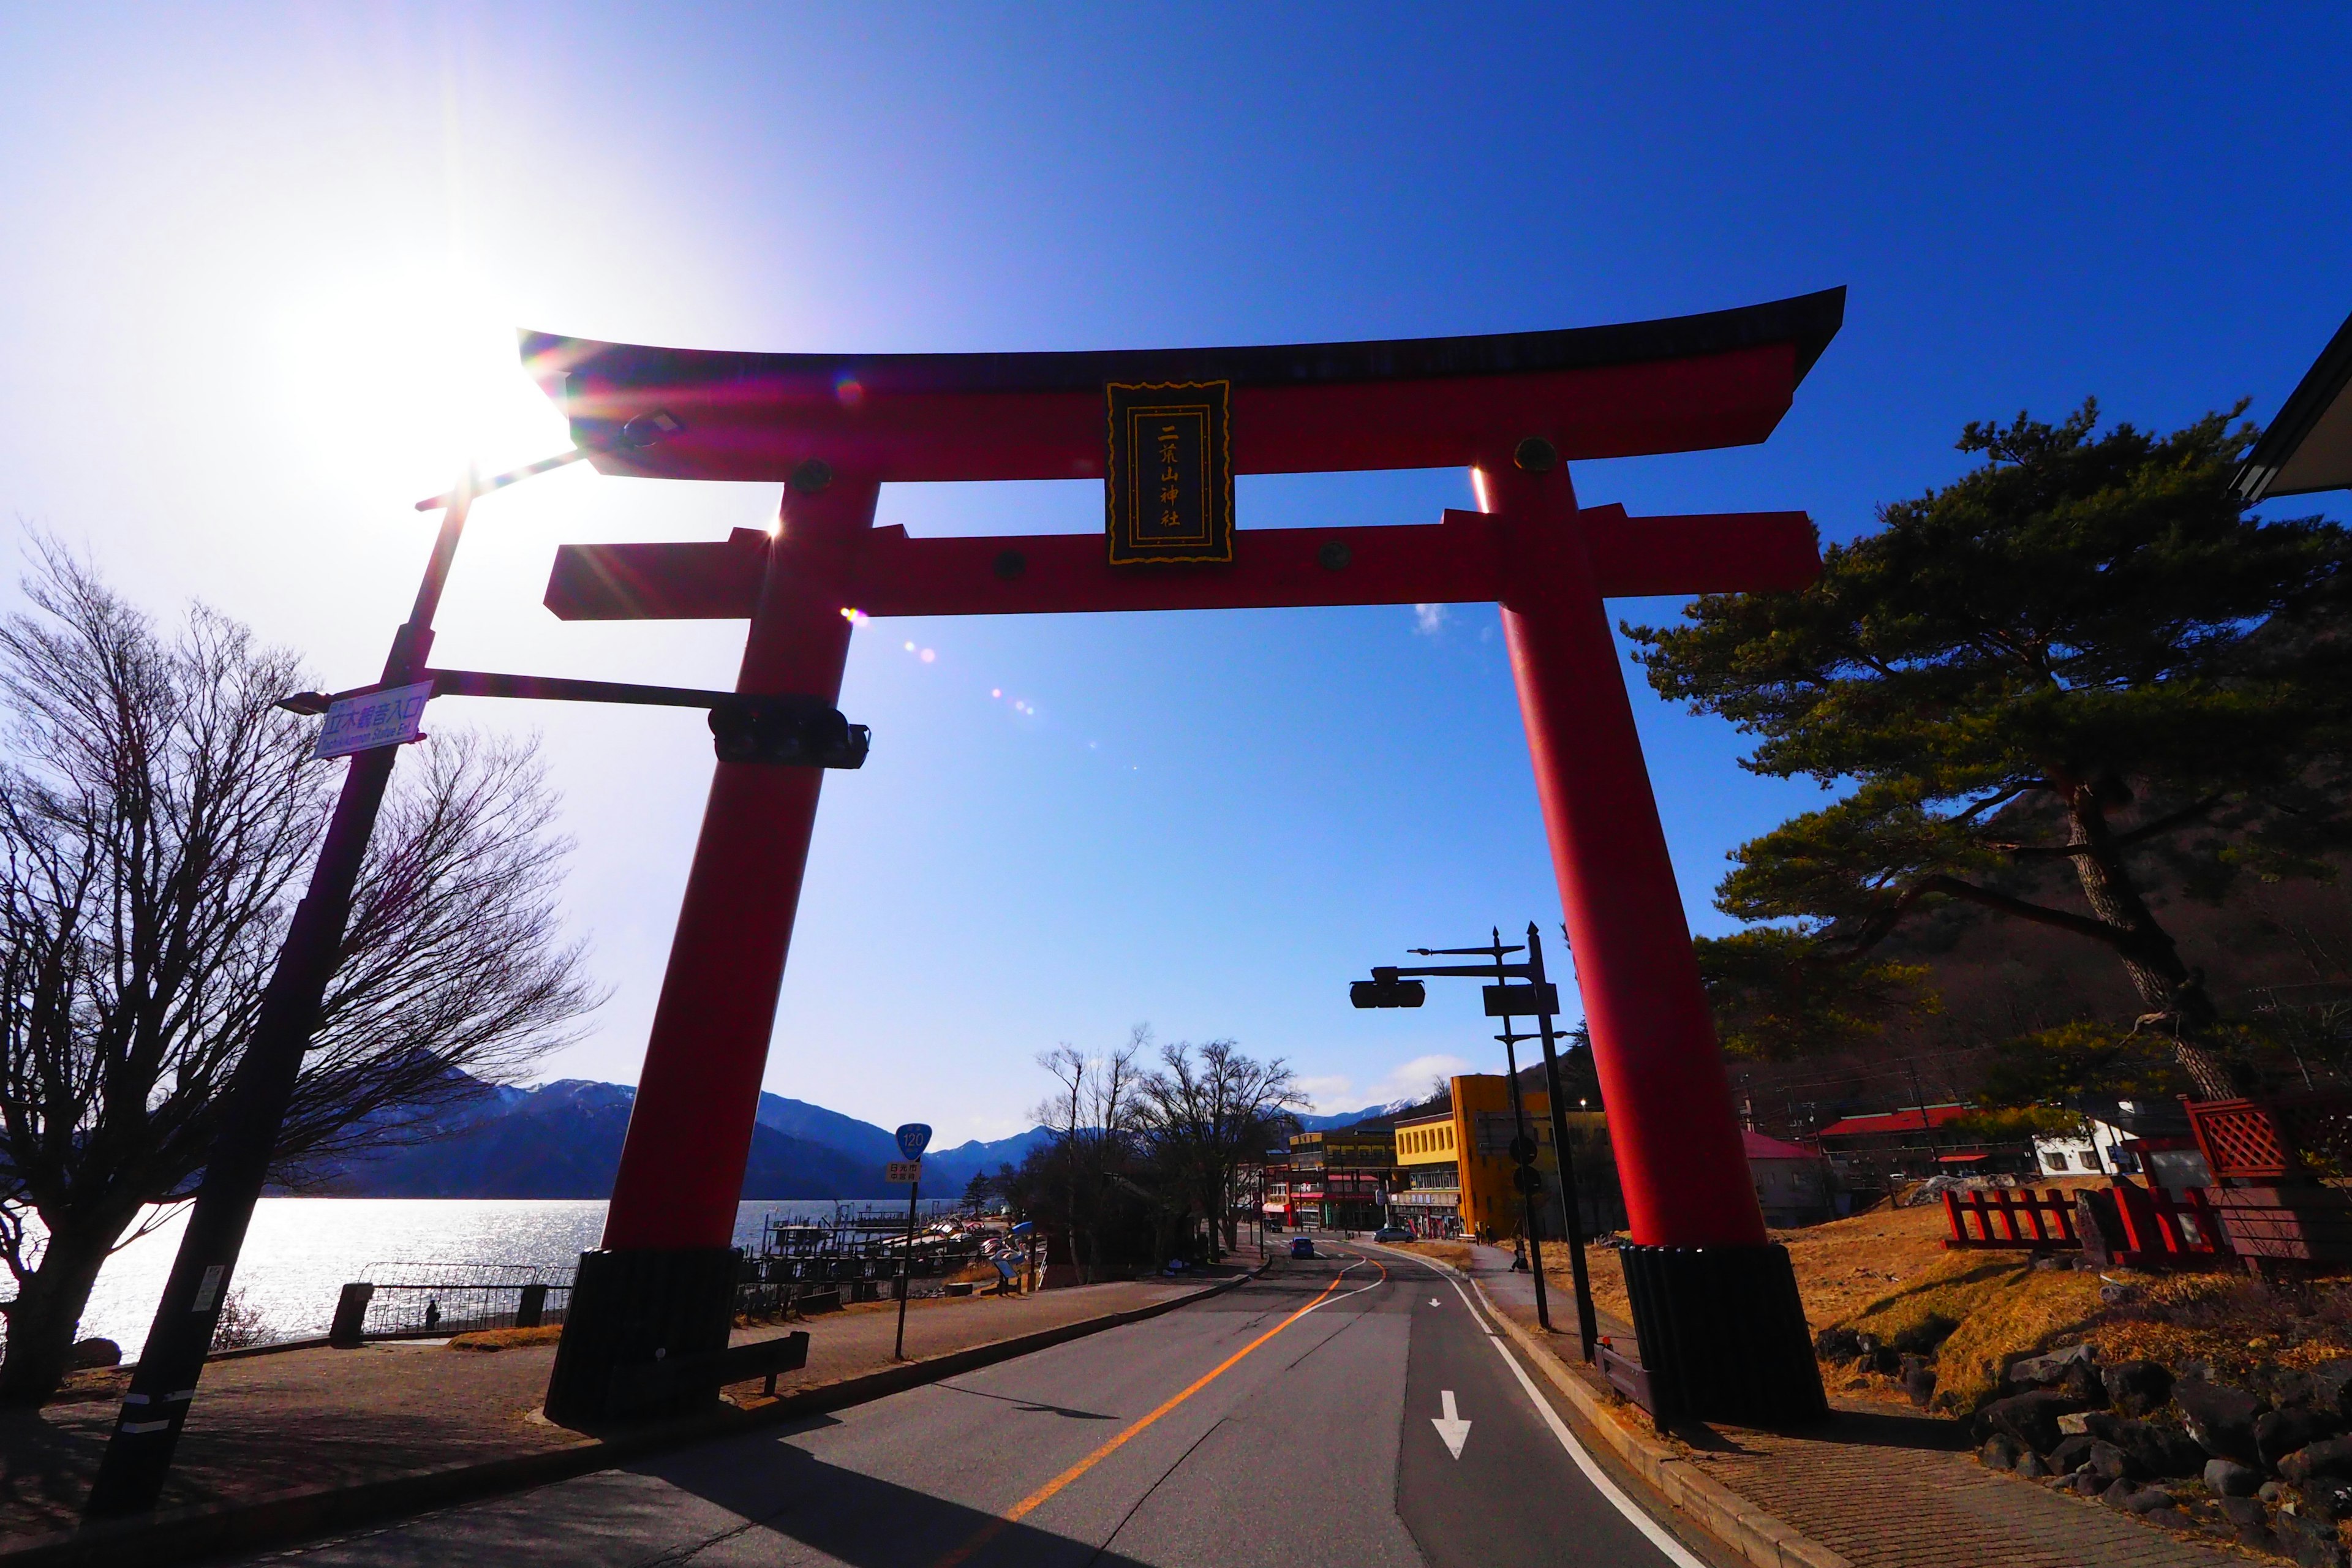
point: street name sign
(903, 1171)
(387, 718)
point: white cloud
(1406, 1080)
(1334, 1092)
(1428, 620)
(1413, 1080)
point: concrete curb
(1706, 1503)
(182, 1535)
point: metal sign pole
(906, 1271)
(913, 1138)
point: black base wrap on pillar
(633, 1307)
(1723, 1335)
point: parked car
(1393, 1233)
(1302, 1247)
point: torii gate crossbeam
(1717, 1319)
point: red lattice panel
(2238, 1139)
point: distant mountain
(958, 1165)
(827, 1129)
(1350, 1118)
(563, 1140)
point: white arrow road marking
(1435, 1302)
(1450, 1427)
(1673, 1551)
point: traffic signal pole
(155, 1408)
(1572, 1210)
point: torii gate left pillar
(1716, 1308)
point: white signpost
(387, 718)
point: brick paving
(267, 1425)
(1886, 1487)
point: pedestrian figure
(432, 1313)
(1519, 1255)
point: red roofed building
(1792, 1182)
(1912, 1142)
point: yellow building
(1456, 1165)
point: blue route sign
(913, 1138)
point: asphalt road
(1293, 1421)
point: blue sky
(260, 267)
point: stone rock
(2137, 1387)
(2030, 1467)
(94, 1353)
(2049, 1371)
(2109, 1461)
(2076, 1423)
(1919, 1383)
(2148, 1499)
(2330, 1500)
(2118, 1295)
(2159, 1447)
(2286, 1385)
(2221, 1418)
(2246, 1509)
(2083, 1382)
(2229, 1479)
(2279, 1433)
(2270, 1492)
(2118, 1493)
(2330, 1458)
(2310, 1541)
(2332, 1387)
(2072, 1453)
(2001, 1452)
(2032, 1418)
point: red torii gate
(1717, 1318)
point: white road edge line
(1674, 1550)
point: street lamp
(1535, 996)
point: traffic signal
(1385, 990)
(806, 731)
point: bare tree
(157, 815)
(1092, 1118)
(1203, 1117)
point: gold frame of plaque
(1168, 486)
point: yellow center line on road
(1037, 1499)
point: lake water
(301, 1251)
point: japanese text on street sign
(372, 719)
(903, 1171)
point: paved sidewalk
(270, 1425)
(1883, 1486)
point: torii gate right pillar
(1714, 1303)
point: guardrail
(424, 1300)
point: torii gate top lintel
(1683, 383)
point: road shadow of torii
(778, 1488)
(760, 1488)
